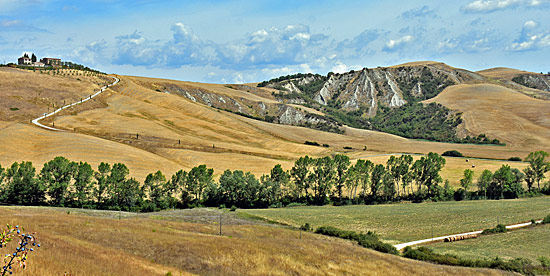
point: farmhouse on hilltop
(29, 59)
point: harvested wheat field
(98, 243)
(150, 130)
(26, 94)
(518, 120)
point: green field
(529, 243)
(397, 223)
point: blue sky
(246, 41)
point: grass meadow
(530, 243)
(403, 222)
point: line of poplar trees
(315, 181)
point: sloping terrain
(531, 84)
(518, 120)
(26, 94)
(148, 130)
(98, 243)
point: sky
(235, 41)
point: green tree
(484, 181)
(376, 180)
(278, 179)
(361, 176)
(467, 179)
(130, 195)
(57, 175)
(197, 180)
(503, 177)
(538, 164)
(178, 182)
(21, 187)
(530, 177)
(154, 188)
(102, 186)
(300, 174)
(115, 181)
(82, 184)
(322, 178)
(388, 186)
(341, 163)
(426, 171)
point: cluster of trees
(290, 77)
(507, 182)
(62, 182)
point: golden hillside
(150, 130)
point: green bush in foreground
(368, 240)
(500, 228)
(546, 220)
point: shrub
(348, 147)
(460, 194)
(546, 220)
(233, 208)
(311, 143)
(306, 227)
(368, 240)
(222, 206)
(515, 158)
(544, 261)
(296, 204)
(326, 145)
(452, 153)
(500, 228)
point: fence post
(220, 224)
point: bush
(544, 261)
(515, 158)
(306, 227)
(296, 204)
(368, 240)
(500, 228)
(233, 208)
(311, 143)
(452, 153)
(348, 147)
(546, 220)
(460, 194)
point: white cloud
(530, 24)
(486, 6)
(530, 39)
(395, 44)
(92, 53)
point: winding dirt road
(46, 115)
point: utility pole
(220, 224)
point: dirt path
(442, 238)
(46, 115)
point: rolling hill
(150, 124)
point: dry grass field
(518, 120)
(98, 243)
(25, 95)
(150, 130)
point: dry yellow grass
(520, 121)
(89, 245)
(176, 133)
(34, 93)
